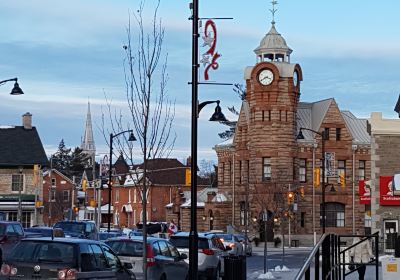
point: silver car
(210, 256)
(163, 259)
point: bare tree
(150, 110)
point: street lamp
(112, 136)
(16, 89)
(20, 186)
(323, 138)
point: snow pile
(385, 257)
(267, 275)
(283, 269)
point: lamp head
(16, 89)
(131, 137)
(300, 135)
(218, 116)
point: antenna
(273, 11)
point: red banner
(364, 191)
(388, 196)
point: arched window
(334, 213)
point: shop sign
(389, 190)
(364, 191)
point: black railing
(328, 261)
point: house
(59, 197)
(22, 158)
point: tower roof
(273, 43)
(88, 145)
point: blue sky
(66, 52)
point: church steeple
(88, 145)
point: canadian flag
(172, 228)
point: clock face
(295, 78)
(265, 77)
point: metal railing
(328, 261)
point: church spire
(88, 145)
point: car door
(164, 259)
(179, 267)
(115, 264)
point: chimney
(27, 120)
(189, 161)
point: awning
(127, 208)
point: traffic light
(317, 176)
(76, 210)
(84, 185)
(301, 191)
(290, 197)
(188, 177)
(342, 180)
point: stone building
(22, 158)
(385, 200)
(264, 161)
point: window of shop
(17, 182)
(243, 213)
(341, 169)
(361, 170)
(334, 213)
(302, 170)
(266, 169)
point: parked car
(43, 232)
(163, 259)
(230, 240)
(210, 256)
(63, 258)
(10, 234)
(137, 232)
(81, 229)
(107, 235)
(245, 241)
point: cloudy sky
(65, 53)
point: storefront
(9, 208)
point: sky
(65, 53)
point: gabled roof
(357, 128)
(47, 173)
(21, 147)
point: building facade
(265, 161)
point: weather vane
(273, 11)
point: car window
(217, 243)
(115, 245)
(172, 249)
(164, 248)
(48, 252)
(2, 229)
(112, 259)
(10, 229)
(156, 249)
(183, 242)
(101, 261)
(18, 229)
(88, 261)
(127, 248)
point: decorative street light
(323, 138)
(112, 136)
(16, 89)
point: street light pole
(112, 136)
(16, 89)
(323, 139)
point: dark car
(63, 258)
(39, 232)
(10, 234)
(163, 259)
(107, 235)
(81, 229)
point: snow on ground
(267, 275)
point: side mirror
(227, 248)
(184, 256)
(128, 266)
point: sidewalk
(272, 248)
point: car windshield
(71, 227)
(48, 252)
(183, 242)
(225, 236)
(126, 248)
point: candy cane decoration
(211, 41)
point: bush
(277, 241)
